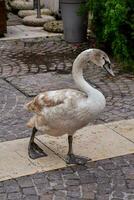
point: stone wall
(53, 5)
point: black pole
(34, 4)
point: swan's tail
(29, 106)
(33, 106)
(31, 122)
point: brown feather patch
(50, 102)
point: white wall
(52, 5)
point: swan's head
(101, 59)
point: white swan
(65, 111)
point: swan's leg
(34, 150)
(74, 159)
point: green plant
(113, 24)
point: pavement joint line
(23, 165)
(118, 133)
(28, 159)
(49, 148)
(14, 86)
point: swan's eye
(104, 58)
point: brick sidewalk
(111, 179)
(20, 62)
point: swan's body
(65, 111)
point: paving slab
(14, 160)
(123, 128)
(21, 31)
(96, 142)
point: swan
(65, 111)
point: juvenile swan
(65, 111)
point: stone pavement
(30, 66)
(13, 20)
(22, 31)
(111, 179)
(16, 30)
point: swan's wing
(46, 99)
(52, 100)
(58, 109)
(66, 106)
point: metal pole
(38, 9)
(35, 4)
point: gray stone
(89, 191)
(73, 194)
(23, 4)
(54, 26)
(129, 172)
(46, 197)
(12, 188)
(104, 188)
(130, 184)
(14, 196)
(25, 182)
(71, 177)
(29, 191)
(131, 197)
(31, 197)
(2, 190)
(102, 197)
(3, 196)
(72, 182)
(24, 13)
(60, 194)
(32, 20)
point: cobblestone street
(28, 67)
(111, 179)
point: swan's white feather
(63, 111)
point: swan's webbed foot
(35, 151)
(75, 159)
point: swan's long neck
(77, 72)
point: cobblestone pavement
(27, 67)
(111, 179)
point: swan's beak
(108, 69)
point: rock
(24, 13)
(46, 11)
(54, 26)
(23, 4)
(34, 21)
